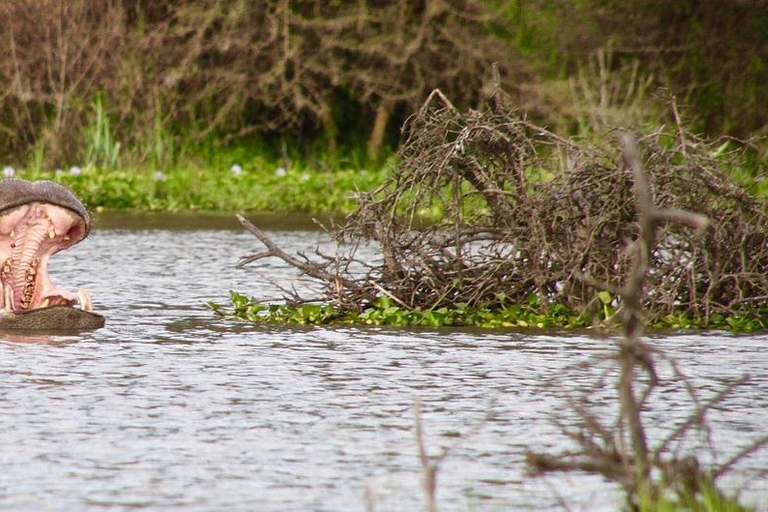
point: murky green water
(168, 408)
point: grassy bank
(237, 179)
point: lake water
(170, 408)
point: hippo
(38, 220)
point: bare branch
(306, 268)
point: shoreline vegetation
(528, 315)
(239, 179)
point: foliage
(382, 311)
(238, 178)
(754, 320)
(342, 71)
(710, 53)
(48, 77)
(323, 70)
(707, 499)
(102, 150)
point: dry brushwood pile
(515, 210)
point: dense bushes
(712, 54)
(225, 68)
(159, 72)
(54, 57)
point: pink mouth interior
(29, 235)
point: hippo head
(38, 220)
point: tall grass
(101, 150)
(608, 95)
(161, 142)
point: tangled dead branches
(621, 450)
(614, 443)
(515, 210)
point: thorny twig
(312, 270)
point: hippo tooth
(46, 303)
(51, 233)
(86, 304)
(8, 295)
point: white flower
(8, 171)
(305, 177)
(58, 172)
(160, 176)
(236, 170)
(75, 171)
(280, 172)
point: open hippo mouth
(38, 220)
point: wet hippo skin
(38, 220)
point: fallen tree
(487, 209)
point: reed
(102, 150)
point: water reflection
(168, 407)
(35, 337)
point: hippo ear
(15, 192)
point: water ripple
(169, 408)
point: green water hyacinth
(530, 315)
(384, 312)
(253, 188)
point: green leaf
(604, 297)
(720, 151)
